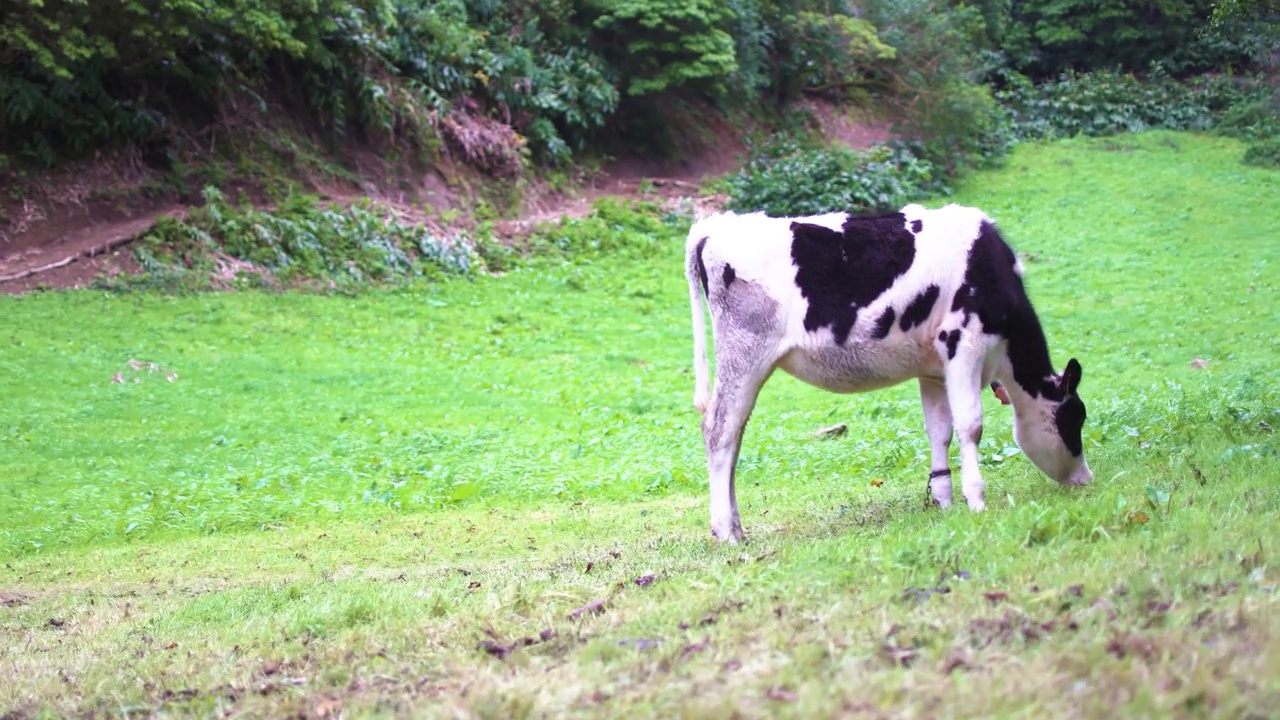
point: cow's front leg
(964, 395)
(722, 427)
(937, 424)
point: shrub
(784, 178)
(1251, 120)
(299, 241)
(1241, 45)
(829, 52)
(612, 229)
(1045, 38)
(1105, 103)
(82, 76)
(501, 60)
(933, 80)
(660, 45)
(1264, 154)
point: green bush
(614, 228)
(1045, 38)
(83, 76)
(1241, 45)
(168, 75)
(1265, 153)
(933, 80)
(303, 243)
(1105, 103)
(299, 241)
(1251, 120)
(659, 45)
(784, 178)
(499, 58)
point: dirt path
(73, 248)
(69, 241)
(77, 257)
(70, 246)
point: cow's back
(859, 298)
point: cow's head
(1049, 432)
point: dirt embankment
(65, 228)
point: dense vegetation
(499, 85)
(304, 243)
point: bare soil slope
(73, 225)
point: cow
(852, 303)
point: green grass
(339, 499)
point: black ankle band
(939, 473)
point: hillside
(481, 118)
(75, 225)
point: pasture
(487, 498)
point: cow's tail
(696, 273)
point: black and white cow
(855, 303)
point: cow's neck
(1029, 375)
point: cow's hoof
(977, 505)
(732, 536)
(933, 503)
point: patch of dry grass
(480, 612)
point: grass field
(393, 504)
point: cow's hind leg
(734, 397)
(937, 424)
(747, 331)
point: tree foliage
(491, 81)
(663, 44)
(1225, 11)
(82, 76)
(1044, 38)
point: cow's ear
(1070, 378)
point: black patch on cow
(952, 339)
(702, 268)
(916, 226)
(1069, 418)
(918, 311)
(840, 272)
(729, 275)
(994, 292)
(884, 324)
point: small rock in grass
(834, 431)
(592, 607)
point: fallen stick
(105, 247)
(32, 271)
(665, 181)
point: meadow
(485, 497)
